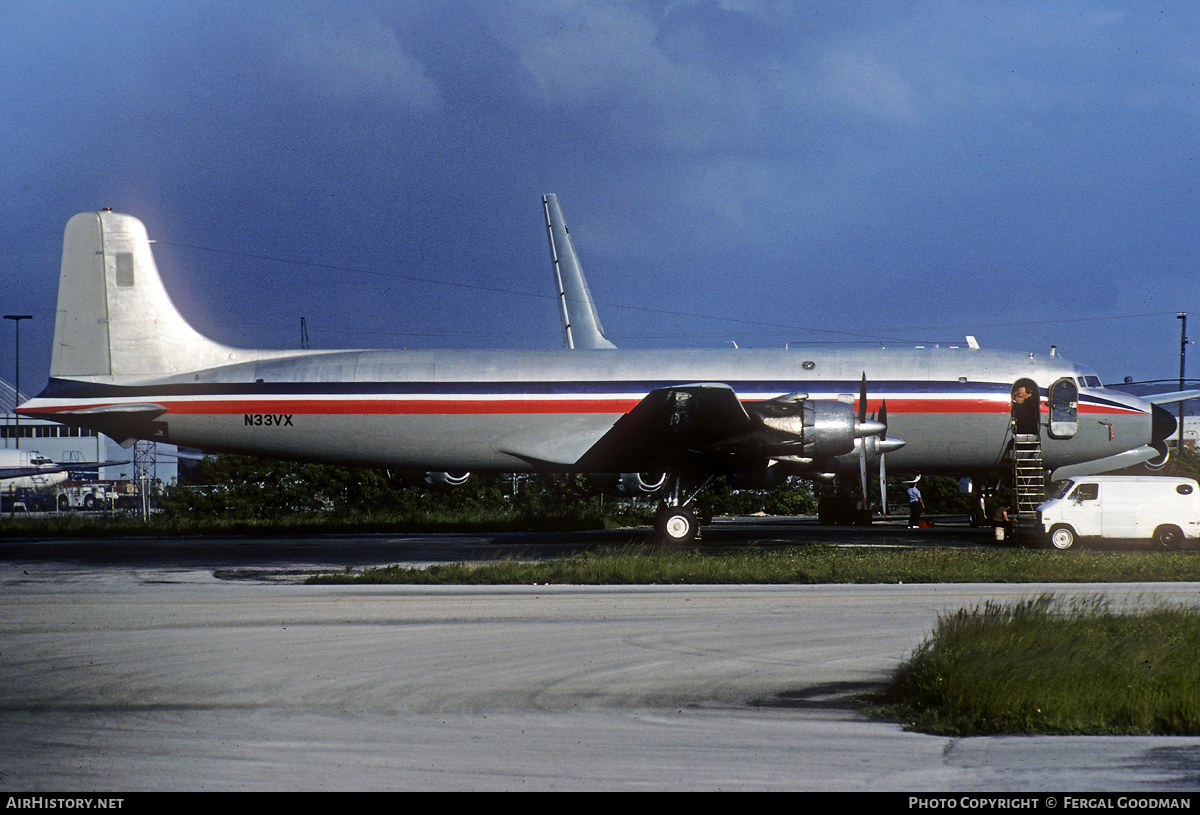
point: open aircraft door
(1026, 407)
(1063, 397)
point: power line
(650, 310)
(496, 290)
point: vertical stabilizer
(114, 316)
(581, 323)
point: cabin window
(1064, 409)
(1184, 489)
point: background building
(87, 448)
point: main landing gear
(678, 517)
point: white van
(1132, 507)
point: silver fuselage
(515, 411)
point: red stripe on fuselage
(402, 407)
(450, 407)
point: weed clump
(1053, 666)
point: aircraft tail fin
(114, 316)
(581, 323)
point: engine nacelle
(805, 431)
(421, 478)
(446, 480)
(641, 483)
(829, 429)
(624, 484)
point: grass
(821, 563)
(1050, 666)
(71, 524)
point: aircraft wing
(668, 429)
(7, 473)
(1175, 396)
(1107, 464)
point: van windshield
(1063, 489)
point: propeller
(873, 439)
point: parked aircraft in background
(127, 364)
(29, 470)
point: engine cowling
(641, 483)
(446, 480)
(624, 484)
(805, 431)
(421, 478)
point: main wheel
(1062, 538)
(676, 524)
(1168, 537)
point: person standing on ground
(915, 505)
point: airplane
(36, 478)
(127, 364)
(30, 470)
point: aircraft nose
(1162, 427)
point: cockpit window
(1092, 382)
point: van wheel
(1061, 538)
(1168, 537)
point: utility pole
(17, 318)
(1182, 317)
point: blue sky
(747, 170)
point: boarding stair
(1029, 479)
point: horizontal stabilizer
(144, 410)
(668, 429)
(123, 423)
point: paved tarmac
(204, 665)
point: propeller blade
(882, 419)
(862, 399)
(883, 483)
(862, 468)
